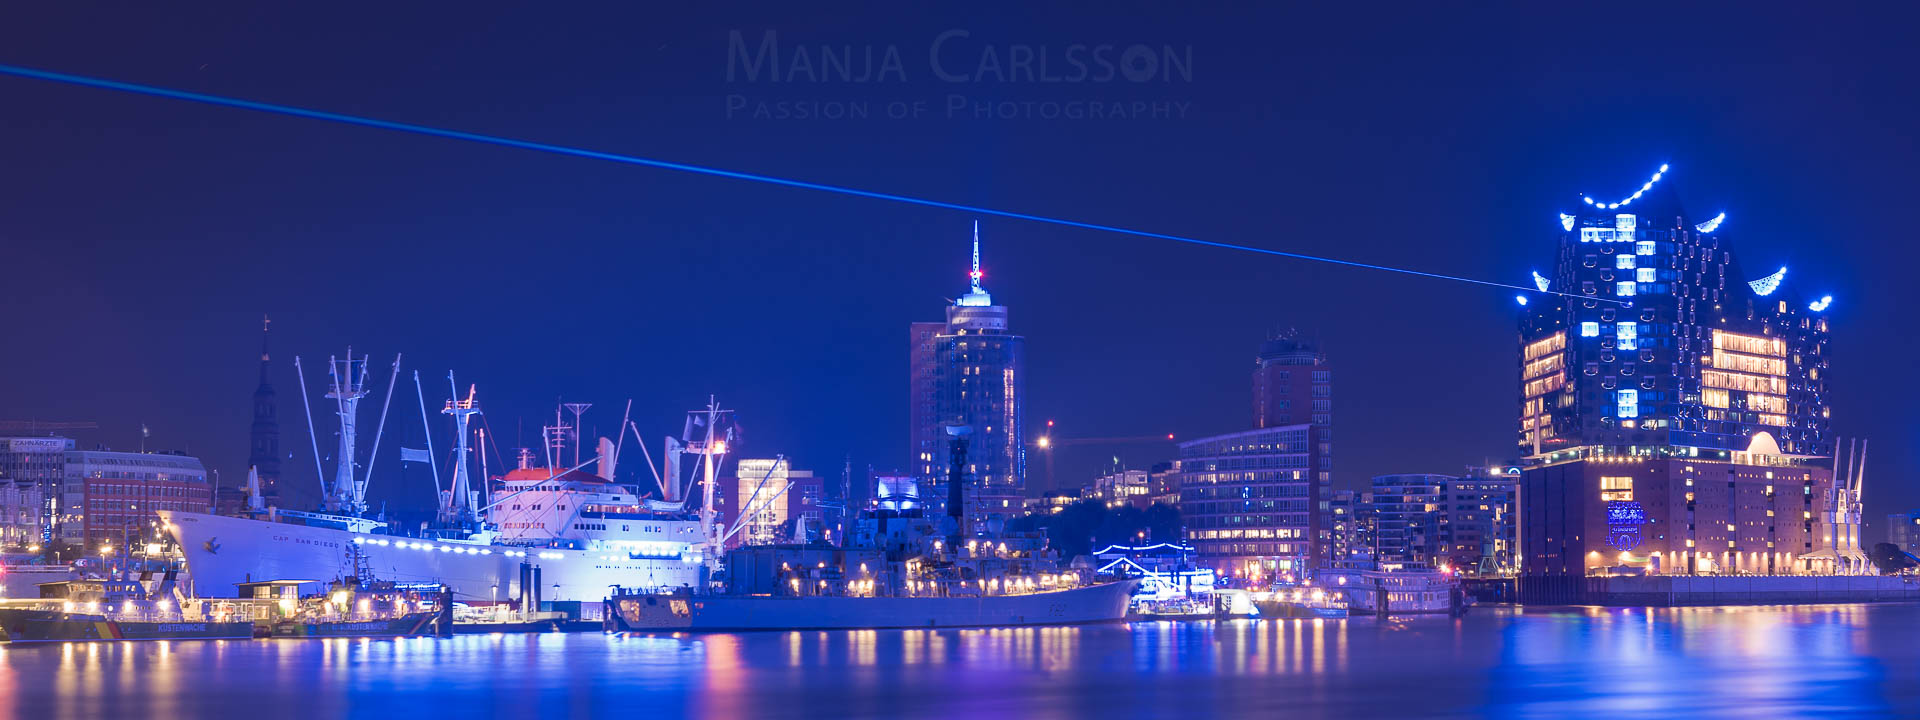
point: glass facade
(1670, 344)
(1251, 501)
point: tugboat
(898, 572)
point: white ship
(583, 533)
(552, 533)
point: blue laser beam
(238, 103)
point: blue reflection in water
(1558, 663)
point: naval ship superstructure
(541, 533)
(901, 569)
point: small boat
(557, 625)
(1176, 609)
(1300, 601)
(408, 625)
(1401, 592)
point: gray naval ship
(901, 569)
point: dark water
(1835, 660)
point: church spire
(266, 327)
(264, 438)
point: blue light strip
(84, 81)
(1635, 196)
(1142, 548)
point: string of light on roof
(1540, 282)
(1635, 196)
(1821, 304)
(1566, 221)
(1766, 285)
(1711, 225)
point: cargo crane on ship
(344, 499)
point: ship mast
(555, 438)
(576, 408)
(348, 383)
(462, 501)
(708, 448)
(347, 386)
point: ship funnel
(670, 480)
(606, 459)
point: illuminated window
(1644, 247)
(1623, 289)
(1628, 334)
(1624, 262)
(1628, 401)
(1589, 329)
(1713, 398)
(1616, 488)
(1644, 275)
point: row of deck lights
(408, 545)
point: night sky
(141, 239)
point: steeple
(266, 328)
(264, 434)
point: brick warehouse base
(1683, 591)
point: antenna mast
(576, 408)
(555, 437)
(460, 507)
(346, 389)
(975, 275)
(713, 445)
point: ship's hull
(48, 626)
(649, 613)
(1273, 609)
(408, 625)
(224, 551)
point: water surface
(1760, 662)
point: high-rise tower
(264, 437)
(970, 371)
(1292, 384)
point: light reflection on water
(1557, 663)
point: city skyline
(861, 269)
(761, 359)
